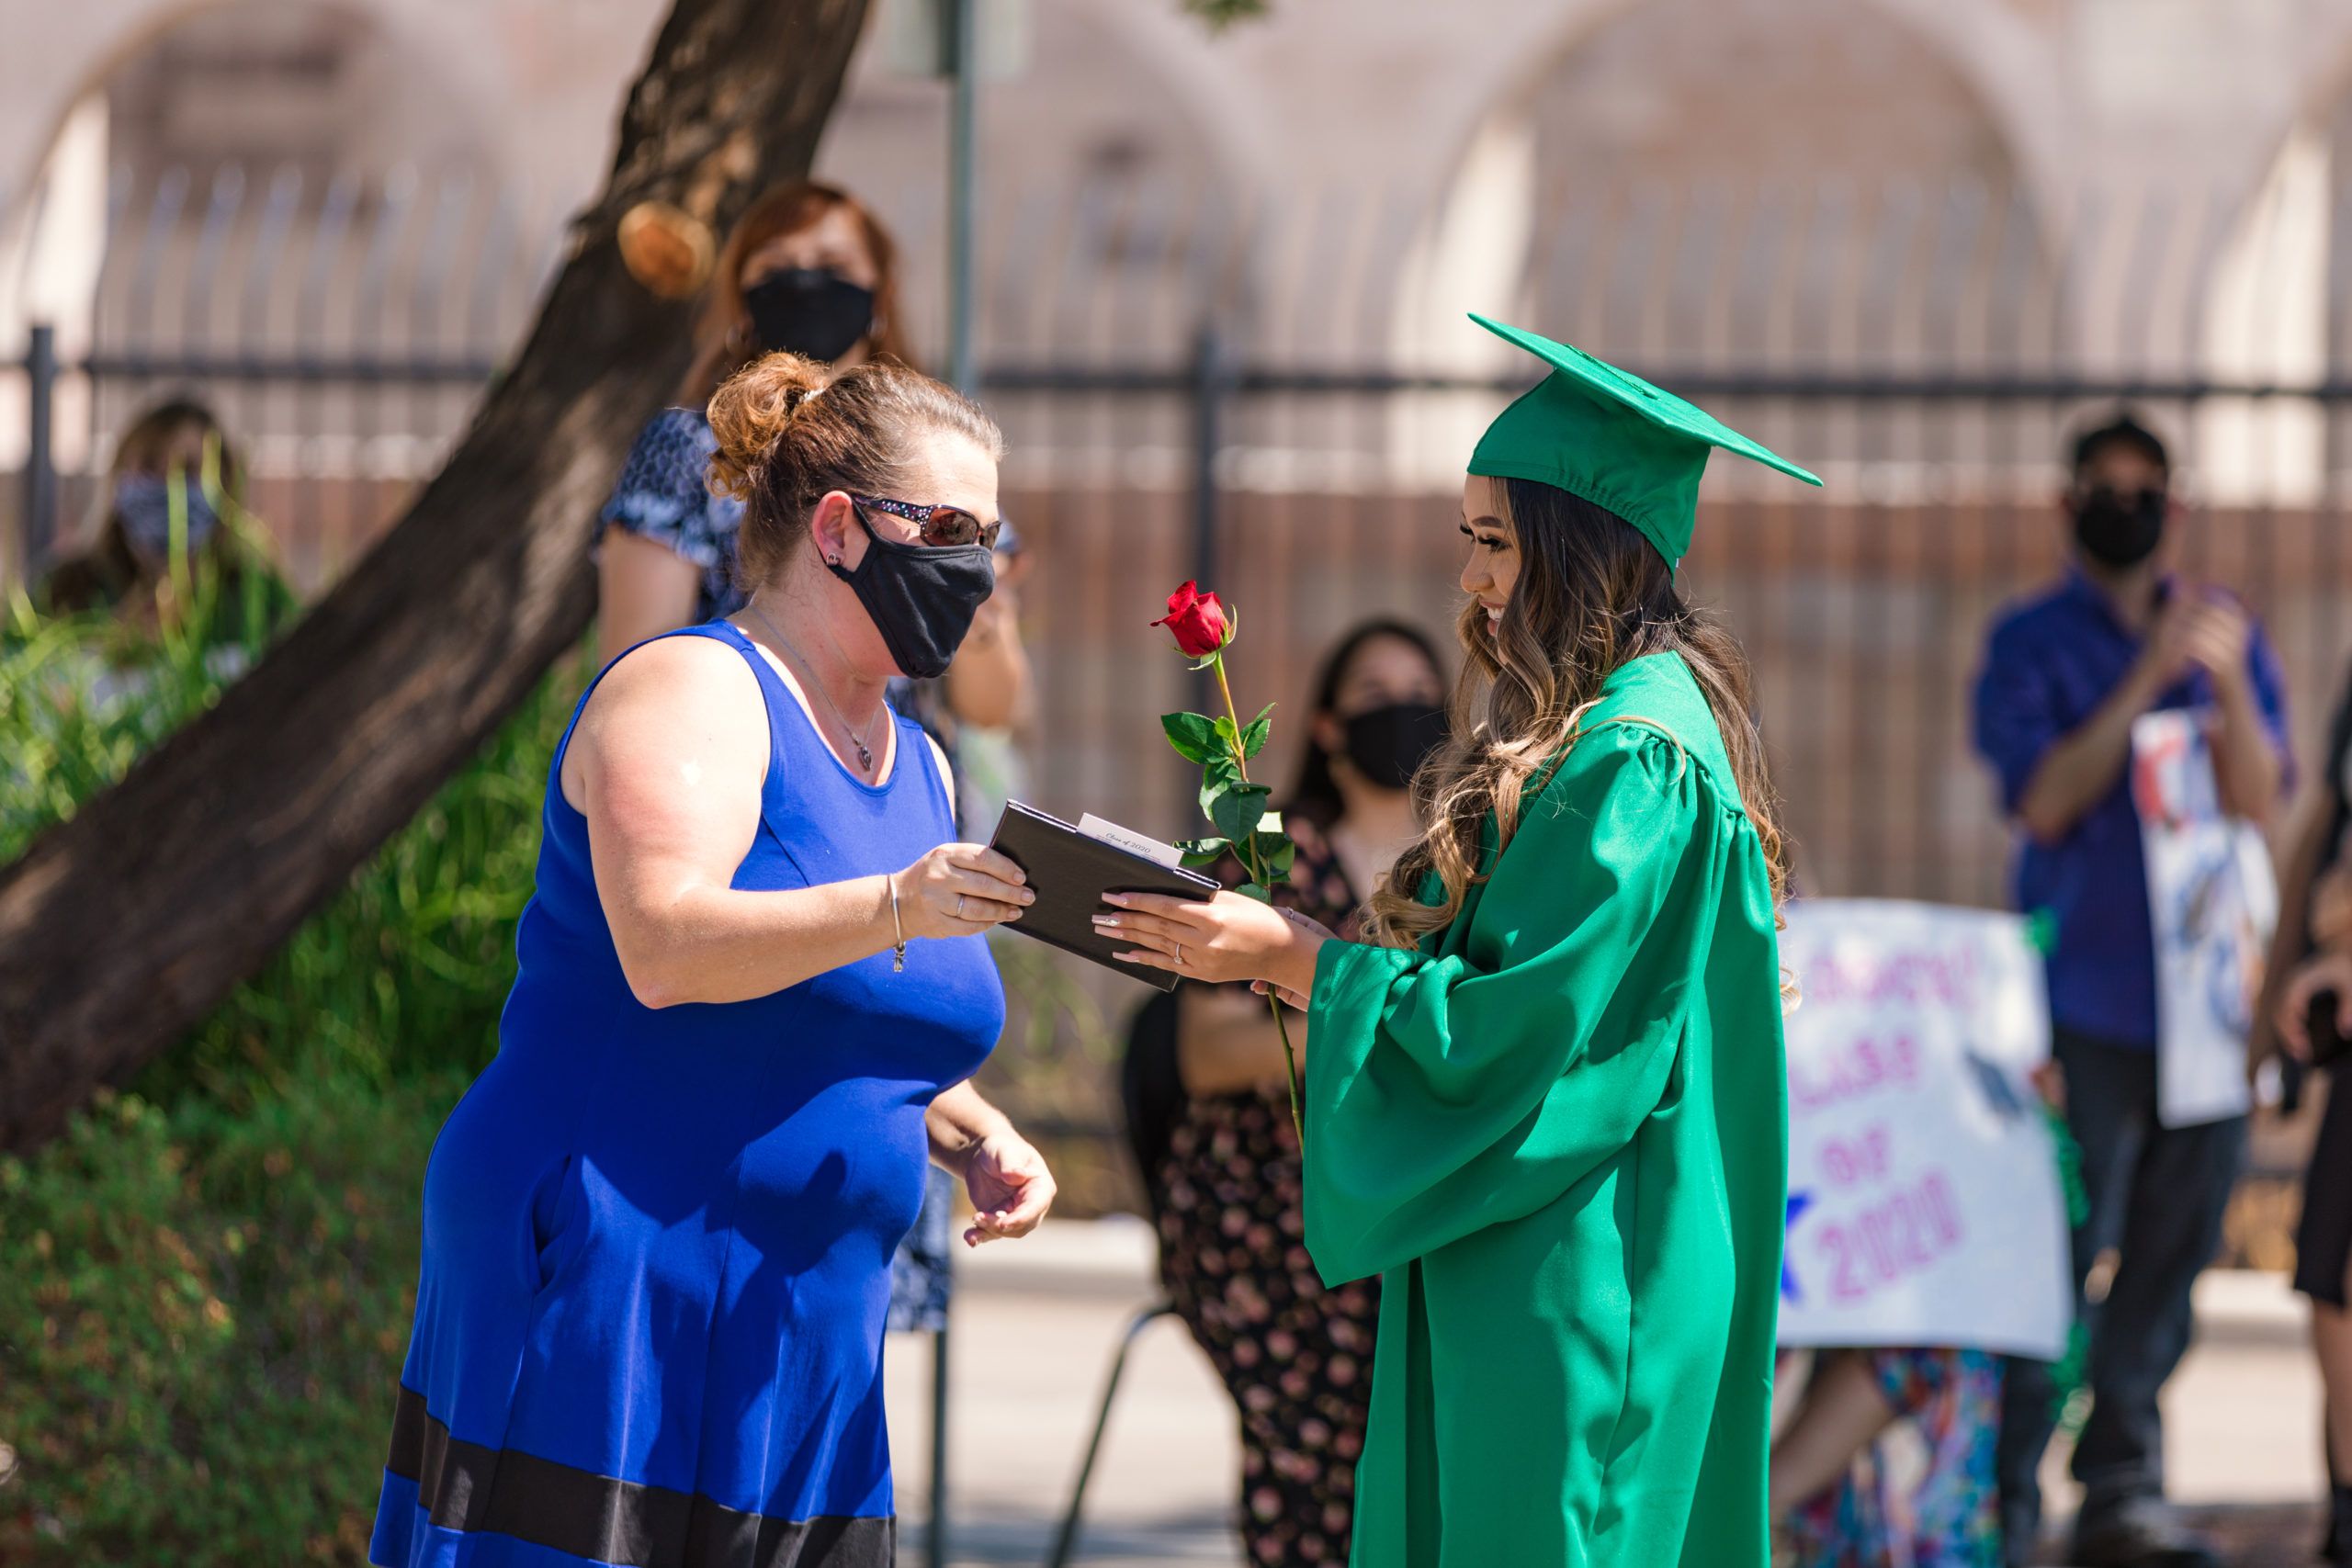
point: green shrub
(83, 695)
(406, 970)
(202, 1316)
(205, 1285)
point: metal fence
(341, 327)
(1190, 391)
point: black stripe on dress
(464, 1486)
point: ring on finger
(959, 905)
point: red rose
(1198, 621)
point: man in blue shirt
(2065, 677)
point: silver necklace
(864, 752)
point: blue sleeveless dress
(657, 1244)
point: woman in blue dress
(658, 1228)
(808, 269)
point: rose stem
(1249, 857)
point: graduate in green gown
(1548, 1102)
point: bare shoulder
(939, 755)
(680, 699)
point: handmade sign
(1924, 1199)
(2212, 904)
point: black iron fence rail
(412, 369)
(1208, 380)
(1694, 382)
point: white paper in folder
(1135, 843)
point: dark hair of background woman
(1315, 794)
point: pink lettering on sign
(1865, 1158)
(1894, 1238)
(1915, 978)
(1862, 1067)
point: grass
(405, 970)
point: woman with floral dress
(1844, 1505)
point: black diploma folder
(1069, 872)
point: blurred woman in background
(811, 271)
(1221, 1159)
(1841, 1512)
(174, 492)
(808, 271)
(2308, 981)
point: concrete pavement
(1036, 1323)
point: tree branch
(122, 927)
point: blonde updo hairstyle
(791, 430)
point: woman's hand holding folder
(958, 889)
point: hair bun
(752, 409)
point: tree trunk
(122, 927)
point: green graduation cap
(1596, 432)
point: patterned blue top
(663, 495)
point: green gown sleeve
(1476, 1078)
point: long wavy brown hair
(1592, 594)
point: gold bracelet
(898, 946)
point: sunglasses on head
(943, 525)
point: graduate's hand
(1217, 940)
(1010, 1186)
(1282, 994)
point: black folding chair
(1065, 1539)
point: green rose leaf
(1275, 852)
(1218, 775)
(1199, 852)
(1251, 890)
(1239, 810)
(1194, 738)
(1260, 729)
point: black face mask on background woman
(812, 312)
(921, 598)
(2120, 530)
(1387, 745)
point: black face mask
(2120, 530)
(1387, 745)
(809, 310)
(921, 598)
